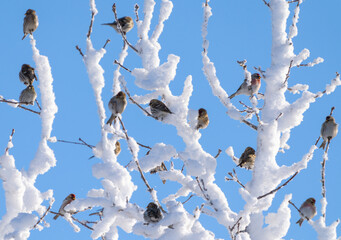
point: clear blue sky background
(237, 30)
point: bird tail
(24, 36)
(300, 221)
(112, 117)
(232, 96)
(323, 145)
(56, 216)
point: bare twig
(91, 23)
(78, 143)
(188, 199)
(9, 141)
(119, 64)
(38, 105)
(288, 73)
(19, 106)
(44, 215)
(119, 27)
(133, 101)
(266, 3)
(317, 140)
(260, 71)
(80, 51)
(242, 64)
(82, 223)
(106, 42)
(250, 124)
(137, 12)
(293, 1)
(302, 215)
(276, 189)
(234, 177)
(219, 151)
(88, 145)
(231, 229)
(141, 145)
(331, 111)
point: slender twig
(106, 42)
(119, 27)
(331, 111)
(276, 189)
(250, 124)
(260, 71)
(119, 64)
(207, 197)
(44, 215)
(91, 23)
(266, 3)
(219, 151)
(302, 215)
(321, 94)
(19, 106)
(80, 51)
(317, 140)
(231, 228)
(293, 1)
(38, 105)
(141, 145)
(84, 224)
(88, 145)
(288, 73)
(242, 64)
(234, 177)
(9, 141)
(133, 101)
(78, 143)
(137, 12)
(188, 199)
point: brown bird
(247, 159)
(117, 104)
(28, 96)
(308, 209)
(159, 109)
(30, 22)
(117, 148)
(203, 120)
(160, 168)
(126, 23)
(27, 75)
(71, 197)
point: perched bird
(329, 130)
(27, 75)
(152, 213)
(30, 22)
(117, 148)
(308, 209)
(117, 104)
(126, 23)
(28, 96)
(247, 159)
(246, 89)
(203, 120)
(159, 109)
(66, 201)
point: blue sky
(237, 30)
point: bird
(71, 197)
(247, 159)
(117, 104)
(329, 130)
(246, 89)
(152, 214)
(308, 209)
(28, 96)
(203, 120)
(117, 148)
(159, 109)
(30, 22)
(27, 75)
(126, 23)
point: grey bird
(116, 105)
(329, 130)
(30, 22)
(71, 197)
(246, 89)
(152, 214)
(126, 23)
(159, 109)
(27, 75)
(308, 209)
(203, 120)
(247, 159)
(28, 96)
